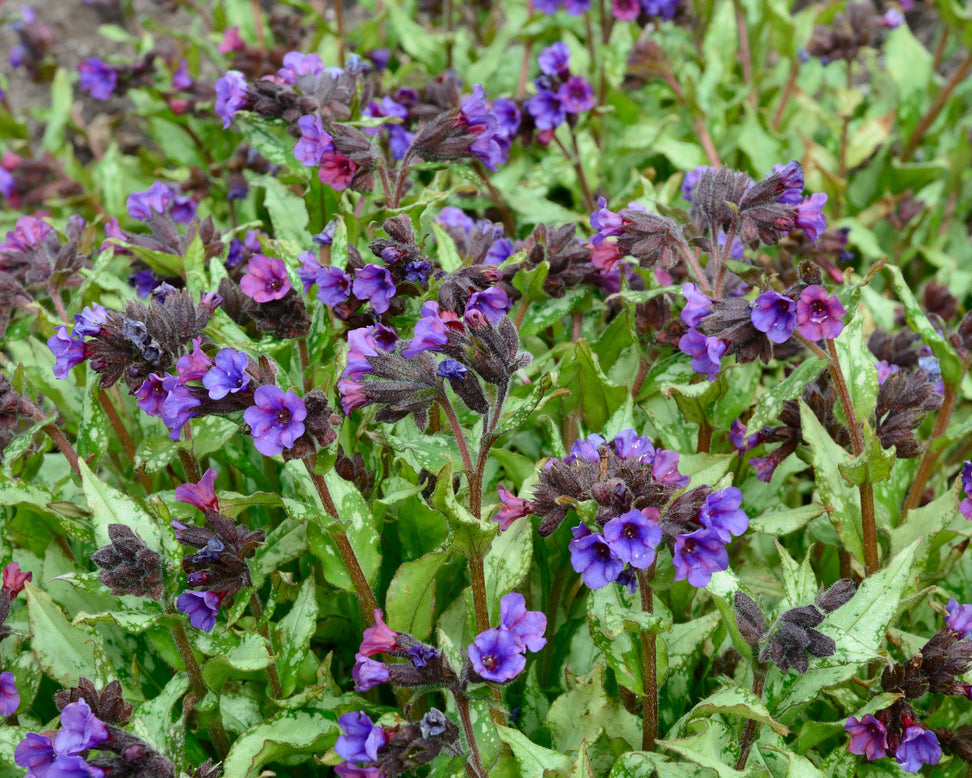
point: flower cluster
(61, 755)
(219, 564)
(897, 731)
(499, 654)
(559, 93)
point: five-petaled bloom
(276, 419)
(266, 279)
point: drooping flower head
(868, 737)
(201, 608)
(378, 638)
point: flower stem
(649, 667)
(258, 23)
(128, 445)
(304, 357)
(868, 524)
(57, 436)
(749, 731)
(930, 457)
(693, 263)
(459, 436)
(216, 729)
(272, 675)
(366, 597)
(476, 761)
(936, 108)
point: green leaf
(737, 701)
(926, 523)
(538, 398)
(784, 522)
(770, 403)
(951, 363)
(159, 261)
(586, 710)
(874, 464)
(270, 145)
(683, 641)
(467, 534)
(508, 562)
(248, 653)
(534, 760)
(57, 117)
(294, 632)
(109, 506)
(799, 582)
(410, 600)
(288, 735)
(857, 365)
(63, 651)
(287, 210)
(841, 501)
(446, 251)
(591, 389)
(714, 746)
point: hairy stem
(216, 729)
(649, 667)
(936, 108)
(724, 259)
(930, 457)
(128, 445)
(866, 489)
(689, 256)
(304, 357)
(272, 675)
(366, 597)
(749, 731)
(459, 436)
(476, 761)
(56, 435)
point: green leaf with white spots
(289, 735)
(770, 403)
(294, 632)
(410, 601)
(739, 701)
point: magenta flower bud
(377, 639)
(819, 316)
(201, 494)
(336, 170)
(14, 579)
(195, 365)
(513, 508)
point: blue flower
(361, 739)
(697, 555)
(775, 315)
(593, 558)
(497, 655)
(918, 748)
(227, 375)
(276, 419)
(68, 351)
(201, 608)
(634, 536)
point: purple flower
(577, 7)
(634, 536)
(810, 218)
(421, 655)
(80, 730)
(698, 555)
(35, 751)
(308, 270)
(200, 607)
(378, 638)
(201, 494)
(313, 143)
(348, 770)
(361, 739)
(593, 558)
(98, 78)
(430, 331)
(547, 110)
(497, 655)
(68, 351)
(892, 19)
(181, 79)
(628, 444)
(819, 316)
(276, 419)
(493, 303)
(89, 321)
(227, 375)
(230, 96)
(585, 449)
(418, 272)
(959, 618)
(775, 315)
(528, 626)
(792, 175)
(918, 747)
(576, 95)
(9, 697)
(868, 737)
(706, 352)
(266, 279)
(368, 673)
(554, 60)
(177, 408)
(296, 64)
(663, 8)
(665, 469)
(884, 369)
(625, 10)
(766, 466)
(513, 508)
(326, 236)
(508, 116)
(501, 250)
(450, 216)
(141, 204)
(374, 284)
(721, 512)
(194, 365)
(183, 209)
(152, 395)
(966, 505)
(697, 305)
(450, 368)
(333, 285)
